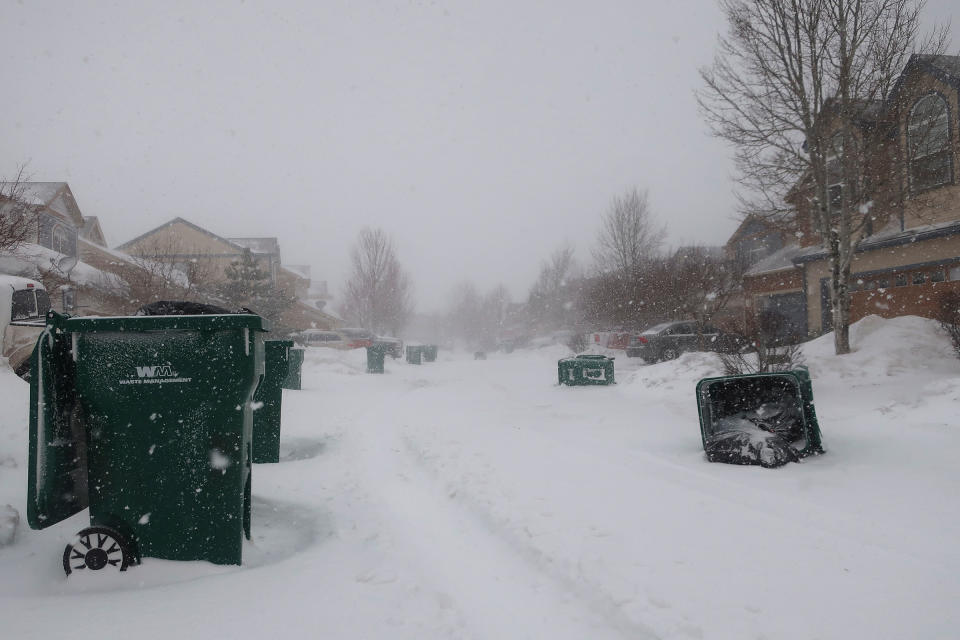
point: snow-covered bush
(949, 317)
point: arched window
(58, 240)
(928, 139)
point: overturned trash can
(765, 419)
(585, 370)
(429, 352)
(268, 401)
(414, 355)
(293, 379)
(146, 420)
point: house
(266, 251)
(910, 255)
(67, 252)
(201, 254)
(58, 218)
(759, 236)
(204, 257)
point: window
(58, 240)
(43, 303)
(883, 283)
(836, 197)
(919, 277)
(901, 280)
(928, 141)
(835, 172)
(955, 272)
(24, 305)
(938, 275)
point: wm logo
(162, 371)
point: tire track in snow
(590, 593)
(502, 589)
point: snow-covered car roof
(17, 282)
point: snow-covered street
(478, 499)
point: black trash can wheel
(97, 548)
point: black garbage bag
(750, 446)
(182, 308)
(782, 418)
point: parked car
(357, 338)
(335, 339)
(23, 306)
(321, 338)
(668, 340)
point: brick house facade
(910, 256)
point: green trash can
(430, 353)
(147, 420)
(765, 419)
(376, 354)
(268, 401)
(585, 370)
(414, 355)
(293, 379)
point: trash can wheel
(97, 548)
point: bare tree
(795, 87)
(477, 319)
(628, 235)
(767, 350)
(18, 219)
(156, 275)
(378, 292)
(553, 296)
(700, 283)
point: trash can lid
(93, 324)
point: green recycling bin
(268, 401)
(765, 419)
(376, 354)
(293, 379)
(146, 420)
(585, 370)
(430, 353)
(414, 355)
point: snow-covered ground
(477, 499)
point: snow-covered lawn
(477, 499)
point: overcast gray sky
(481, 135)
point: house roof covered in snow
(776, 261)
(38, 193)
(889, 236)
(183, 221)
(92, 231)
(302, 270)
(266, 246)
(945, 68)
(55, 196)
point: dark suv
(668, 340)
